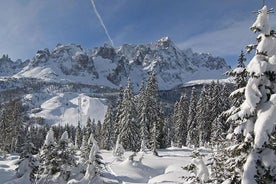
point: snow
(207, 81)
(49, 140)
(64, 137)
(262, 21)
(265, 123)
(152, 169)
(63, 108)
(163, 169)
(201, 169)
(257, 65)
(250, 169)
(267, 45)
(237, 92)
(7, 168)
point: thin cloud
(227, 41)
(223, 42)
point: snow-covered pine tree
(98, 131)
(143, 117)
(258, 111)
(108, 130)
(94, 162)
(174, 125)
(180, 124)
(202, 117)
(27, 164)
(78, 136)
(157, 135)
(220, 126)
(240, 78)
(65, 156)
(192, 135)
(118, 112)
(118, 150)
(48, 158)
(129, 128)
(169, 131)
(12, 125)
(90, 128)
(154, 113)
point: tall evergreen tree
(118, 112)
(12, 131)
(129, 129)
(108, 130)
(65, 157)
(152, 122)
(202, 117)
(180, 118)
(78, 136)
(240, 77)
(192, 136)
(48, 158)
(27, 164)
(255, 117)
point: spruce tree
(94, 162)
(118, 112)
(240, 78)
(27, 164)
(154, 122)
(108, 130)
(129, 129)
(192, 135)
(65, 156)
(48, 159)
(255, 117)
(180, 118)
(202, 117)
(78, 137)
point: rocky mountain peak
(107, 66)
(164, 43)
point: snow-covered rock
(108, 66)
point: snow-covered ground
(7, 168)
(146, 168)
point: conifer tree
(118, 112)
(98, 131)
(254, 152)
(174, 125)
(108, 130)
(48, 158)
(78, 137)
(192, 135)
(12, 125)
(94, 162)
(152, 122)
(240, 77)
(181, 117)
(27, 164)
(202, 117)
(65, 156)
(129, 129)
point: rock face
(111, 67)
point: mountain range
(52, 80)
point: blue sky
(219, 27)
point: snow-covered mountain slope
(9, 67)
(67, 108)
(107, 66)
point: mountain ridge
(111, 67)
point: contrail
(102, 23)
